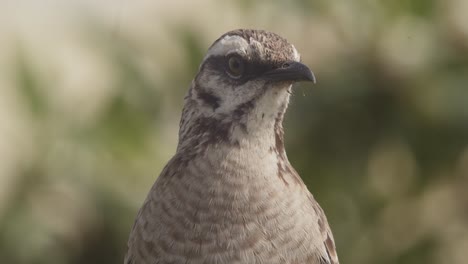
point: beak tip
(311, 77)
(307, 74)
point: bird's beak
(291, 71)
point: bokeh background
(91, 94)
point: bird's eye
(235, 67)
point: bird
(229, 194)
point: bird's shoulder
(327, 242)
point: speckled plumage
(229, 194)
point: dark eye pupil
(236, 66)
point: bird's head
(244, 82)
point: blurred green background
(91, 94)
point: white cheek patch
(235, 97)
(228, 44)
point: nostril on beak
(285, 65)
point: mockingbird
(229, 194)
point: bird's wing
(139, 251)
(329, 255)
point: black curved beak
(291, 71)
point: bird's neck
(206, 132)
(260, 128)
(254, 143)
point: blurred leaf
(192, 47)
(29, 84)
(422, 253)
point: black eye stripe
(252, 68)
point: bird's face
(242, 89)
(248, 71)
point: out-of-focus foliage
(91, 93)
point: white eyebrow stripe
(228, 44)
